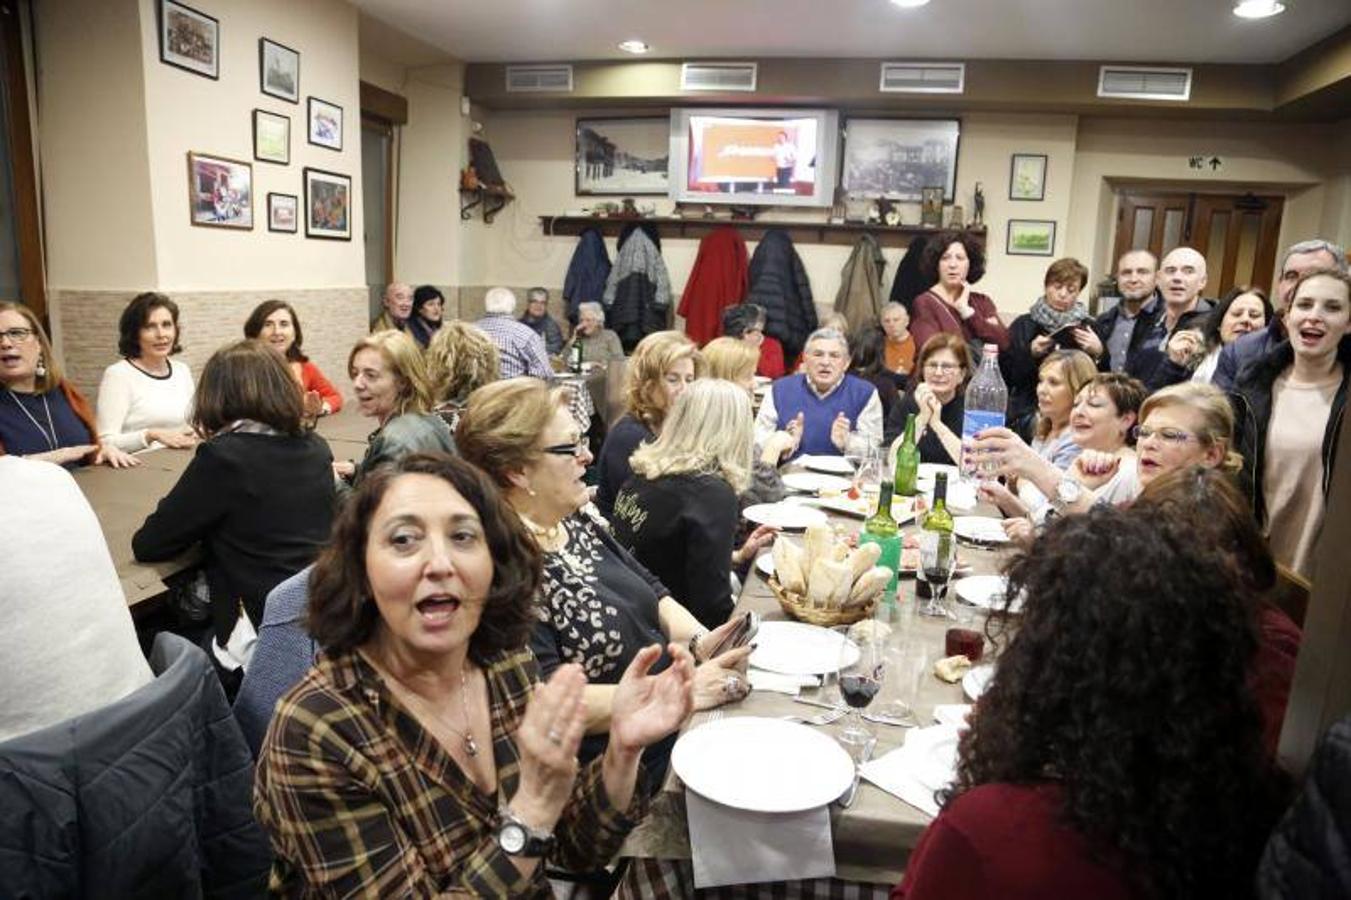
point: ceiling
(1183, 31)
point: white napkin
(925, 763)
(734, 846)
(953, 714)
(762, 680)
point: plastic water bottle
(987, 399)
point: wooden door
(1236, 233)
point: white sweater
(68, 644)
(130, 402)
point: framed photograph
(325, 124)
(1027, 176)
(220, 191)
(898, 158)
(623, 157)
(189, 39)
(328, 205)
(271, 137)
(278, 70)
(931, 207)
(283, 213)
(1031, 237)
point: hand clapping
(646, 708)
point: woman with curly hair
(460, 359)
(952, 262)
(664, 363)
(1118, 750)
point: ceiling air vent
(923, 78)
(721, 76)
(1144, 83)
(539, 79)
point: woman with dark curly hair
(420, 756)
(1118, 750)
(952, 262)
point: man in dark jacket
(1302, 257)
(1175, 333)
(1122, 328)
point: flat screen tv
(770, 157)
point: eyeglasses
(17, 335)
(577, 450)
(1174, 436)
(941, 367)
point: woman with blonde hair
(732, 360)
(389, 379)
(663, 364)
(1060, 377)
(460, 359)
(678, 513)
(598, 606)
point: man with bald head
(398, 306)
(1175, 334)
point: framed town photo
(328, 205)
(189, 39)
(623, 157)
(220, 191)
(278, 70)
(283, 213)
(898, 158)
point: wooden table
(872, 838)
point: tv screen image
(732, 155)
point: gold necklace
(465, 735)
(550, 539)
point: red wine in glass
(859, 690)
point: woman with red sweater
(1118, 750)
(275, 323)
(952, 262)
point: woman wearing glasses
(599, 606)
(42, 415)
(938, 400)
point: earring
(529, 490)
(40, 370)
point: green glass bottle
(937, 551)
(880, 523)
(881, 529)
(907, 462)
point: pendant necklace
(49, 437)
(465, 736)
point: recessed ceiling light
(633, 46)
(1258, 9)
(909, 4)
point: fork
(822, 718)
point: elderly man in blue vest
(820, 402)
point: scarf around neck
(1052, 320)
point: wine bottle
(881, 524)
(937, 551)
(907, 461)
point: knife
(876, 718)
(848, 799)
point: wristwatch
(518, 839)
(1067, 493)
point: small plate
(834, 465)
(980, 529)
(796, 648)
(976, 681)
(985, 591)
(787, 516)
(814, 482)
(764, 564)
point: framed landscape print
(278, 70)
(271, 137)
(325, 124)
(283, 213)
(1027, 176)
(623, 157)
(1031, 237)
(328, 205)
(220, 191)
(189, 39)
(898, 158)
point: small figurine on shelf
(955, 217)
(978, 205)
(630, 210)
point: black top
(682, 528)
(598, 609)
(619, 445)
(1021, 369)
(931, 449)
(260, 504)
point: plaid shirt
(521, 349)
(360, 801)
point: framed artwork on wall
(1027, 176)
(189, 39)
(931, 207)
(623, 157)
(325, 124)
(328, 205)
(278, 70)
(271, 137)
(283, 213)
(898, 158)
(1031, 237)
(220, 191)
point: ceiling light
(1258, 9)
(909, 4)
(633, 46)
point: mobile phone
(741, 634)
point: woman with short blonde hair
(1170, 415)
(731, 360)
(460, 359)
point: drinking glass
(862, 672)
(907, 666)
(937, 558)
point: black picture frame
(588, 184)
(276, 90)
(265, 117)
(172, 49)
(864, 175)
(314, 178)
(1025, 249)
(220, 191)
(273, 204)
(316, 109)
(1037, 191)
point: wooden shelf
(752, 230)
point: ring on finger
(554, 736)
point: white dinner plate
(975, 681)
(927, 471)
(796, 648)
(961, 495)
(762, 765)
(980, 529)
(787, 516)
(764, 564)
(985, 591)
(813, 482)
(834, 465)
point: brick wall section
(332, 320)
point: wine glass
(937, 559)
(861, 673)
(907, 666)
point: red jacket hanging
(717, 281)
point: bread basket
(796, 607)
